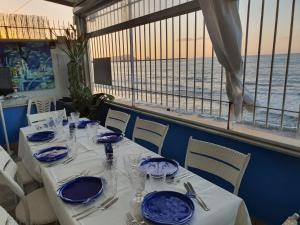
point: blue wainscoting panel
(15, 118)
(271, 184)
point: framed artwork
(30, 64)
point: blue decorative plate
(167, 208)
(51, 154)
(109, 137)
(81, 190)
(159, 166)
(41, 136)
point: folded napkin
(41, 136)
(82, 124)
(53, 153)
(109, 137)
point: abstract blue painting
(30, 64)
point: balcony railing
(30, 27)
(161, 55)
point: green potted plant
(98, 108)
(75, 48)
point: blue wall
(271, 184)
(15, 118)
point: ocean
(171, 85)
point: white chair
(5, 218)
(41, 118)
(22, 175)
(117, 119)
(150, 131)
(218, 160)
(42, 104)
(34, 208)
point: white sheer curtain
(224, 27)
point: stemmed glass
(137, 179)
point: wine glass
(137, 179)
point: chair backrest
(150, 131)
(42, 104)
(218, 160)
(41, 118)
(5, 218)
(7, 164)
(117, 119)
(8, 169)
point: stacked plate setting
(167, 208)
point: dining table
(225, 207)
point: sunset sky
(64, 13)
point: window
(161, 55)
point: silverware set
(103, 206)
(66, 179)
(64, 162)
(180, 177)
(191, 191)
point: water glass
(92, 130)
(75, 117)
(157, 183)
(51, 123)
(70, 137)
(111, 182)
(110, 164)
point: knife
(88, 209)
(197, 196)
(97, 208)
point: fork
(131, 220)
(134, 221)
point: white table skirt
(226, 208)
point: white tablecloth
(226, 208)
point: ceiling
(64, 2)
(83, 7)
